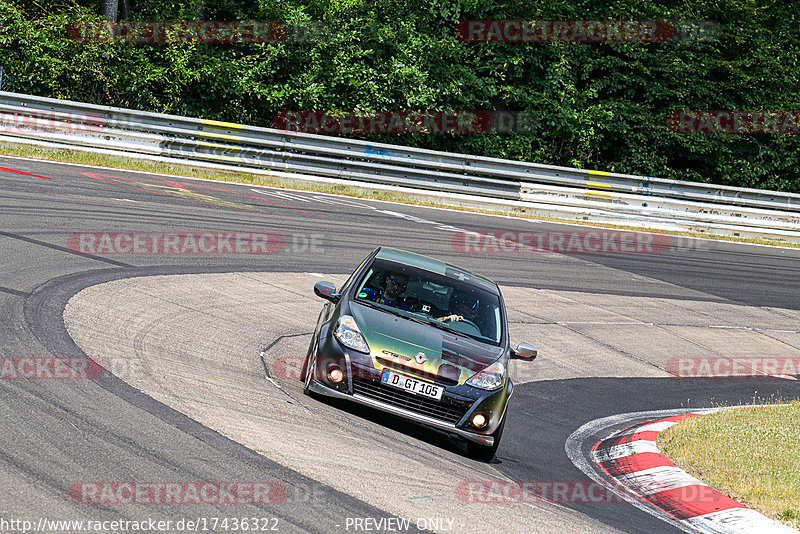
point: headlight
(493, 377)
(349, 335)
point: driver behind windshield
(394, 285)
(462, 307)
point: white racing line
(512, 242)
(678, 241)
(342, 200)
(635, 487)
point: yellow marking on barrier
(214, 145)
(225, 158)
(592, 184)
(597, 193)
(221, 136)
(599, 173)
(222, 124)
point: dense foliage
(595, 105)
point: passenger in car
(462, 307)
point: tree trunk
(110, 9)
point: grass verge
(750, 454)
(114, 162)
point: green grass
(750, 454)
(115, 162)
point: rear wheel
(482, 452)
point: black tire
(482, 452)
(307, 367)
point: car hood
(421, 350)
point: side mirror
(524, 352)
(327, 291)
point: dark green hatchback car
(420, 339)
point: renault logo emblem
(420, 357)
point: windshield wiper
(429, 322)
(441, 326)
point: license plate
(412, 385)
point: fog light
(479, 421)
(335, 375)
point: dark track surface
(56, 433)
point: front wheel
(307, 372)
(482, 452)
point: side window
(369, 280)
(355, 273)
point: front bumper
(362, 384)
(322, 389)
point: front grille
(408, 401)
(419, 372)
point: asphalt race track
(197, 342)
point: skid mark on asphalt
(14, 292)
(62, 249)
(175, 189)
(23, 173)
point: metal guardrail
(543, 189)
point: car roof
(431, 264)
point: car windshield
(451, 302)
